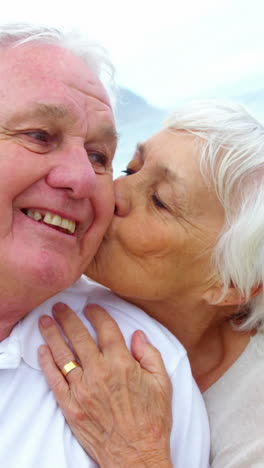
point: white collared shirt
(34, 433)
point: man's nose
(74, 173)
(122, 197)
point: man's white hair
(96, 57)
(231, 143)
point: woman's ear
(232, 296)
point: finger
(53, 375)
(108, 332)
(146, 354)
(61, 352)
(80, 338)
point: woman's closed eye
(158, 202)
(154, 197)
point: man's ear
(232, 296)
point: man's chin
(54, 274)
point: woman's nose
(74, 173)
(122, 197)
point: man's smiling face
(57, 141)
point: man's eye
(98, 159)
(39, 136)
(101, 162)
(157, 202)
(128, 171)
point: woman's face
(165, 225)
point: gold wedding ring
(68, 367)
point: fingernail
(46, 321)
(59, 307)
(142, 337)
(42, 350)
(88, 308)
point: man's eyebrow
(52, 111)
(109, 133)
(48, 111)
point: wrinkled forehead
(48, 76)
(45, 66)
(175, 149)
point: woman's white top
(235, 405)
(34, 433)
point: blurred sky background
(166, 51)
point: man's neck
(10, 314)
(14, 307)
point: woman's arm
(118, 405)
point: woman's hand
(117, 405)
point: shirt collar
(25, 338)
(10, 352)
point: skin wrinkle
(101, 100)
(52, 113)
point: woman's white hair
(232, 161)
(96, 57)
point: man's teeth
(34, 214)
(53, 219)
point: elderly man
(57, 141)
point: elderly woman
(186, 245)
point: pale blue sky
(166, 50)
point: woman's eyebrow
(177, 183)
(166, 172)
(141, 150)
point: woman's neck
(216, 354)
(205, 332)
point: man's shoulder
(128, 317)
